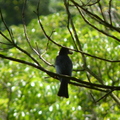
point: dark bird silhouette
(63, 65)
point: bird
(64, 66)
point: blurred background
(27, 93)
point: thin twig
(13, 42)
(48, 37)
(101, 10)
(7, 29)
(24, 26)
(97, 18)
(96, 57)
(110, 5)
(40, 56)
(68, 24)
(105, 33)
(87, 86)
(93, 3)
(97, 86)
(104, 96)
(78, 43)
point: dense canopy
(28, 92)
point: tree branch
(59, 75)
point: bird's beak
(70, 52)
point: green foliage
(29, 94)
(12, 10)
(15, 8)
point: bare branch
(40, 56)
(110, 5)
(101, 9)
(97, 18)
(75, 32)
(96, 57)
(105, 33)
(104, 96)
(90, 85)
(93, 3)
(24, 26)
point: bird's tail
(63, 90)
